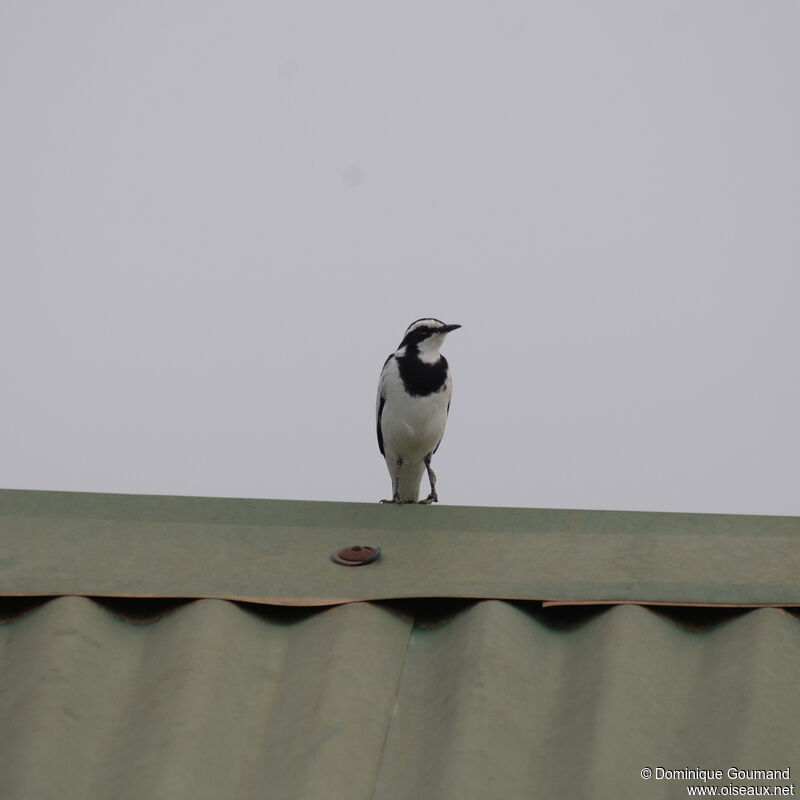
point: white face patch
(429, 348)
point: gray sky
(218, 219)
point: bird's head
(426, 335)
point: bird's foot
(395, 499)
(431, 498)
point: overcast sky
(218, 219)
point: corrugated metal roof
(429, 700)
(407, 698)
(275, 551)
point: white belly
(412, 427)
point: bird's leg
(432, 497)
(396, 498)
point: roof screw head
(356, 556)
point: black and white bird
(413, 400)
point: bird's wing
(446, 414)
(380, 401)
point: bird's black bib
(421, 379)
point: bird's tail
(410, 480)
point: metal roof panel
(274, 551)
(362, 701)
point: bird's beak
(448, 328)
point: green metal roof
(366, 701)
(427, 694)
(275, 551)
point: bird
(411, 409)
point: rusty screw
(356, 556)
